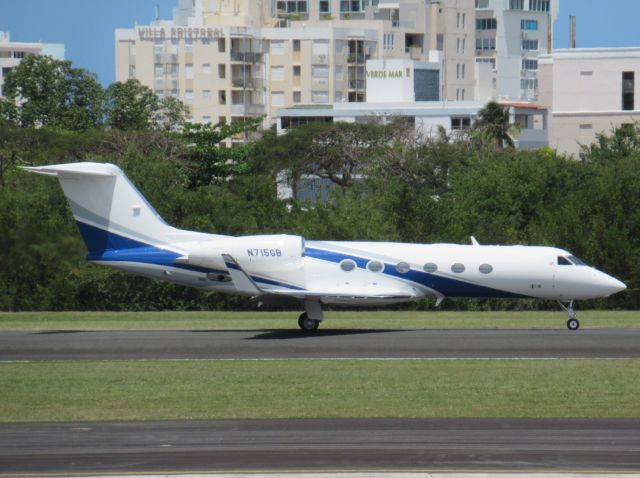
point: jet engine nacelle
(264, 253)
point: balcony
(248, 109)
(246, 57)
(248, 83)
(357, 84)
(166, 58)
(357, 58)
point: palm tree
(493, 125)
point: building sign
(383, 74)
(161, 33)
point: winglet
(474, 241)
(241, 280)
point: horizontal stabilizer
(83, 169)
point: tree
(207, 159)
(49, 92)
(170, 114)
(493, 126)
(131, 106)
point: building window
(206, 68)
(222, 70)
(296, 70)
(628, 88)
(320, 97)
(529, 84)
(462, 92)
(388, 41)
(529, 44)
(320, 71)
(221, 45)
(295, 6)
(320, 47)
(18, 54)
(325, 6)
(485, 43)
(348, 6)
(539, 5)
(492, 61)
(458, 268)
(516, 4)
(206, 119)
(297, 96)
(464, 20)
(338, 71)
(464, 67)
(586, 126)
(296, 45)
(158, 71)
(483, 4)
(188, 45)
(486, 24)
(460, 123)
(188, 71)
(222, 97)
(188, 97)
(529, 24)
(528, 64)
(206, 41)
(277, 98)
(206, 94)
(458, 20)
(158, 47)
(277, 47)
(277, 73)
(338, 97)
(174, 46)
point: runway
(325, 344)
(314, 445)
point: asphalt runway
(294, 344)
(341, 445)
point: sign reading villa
(152, 33)
(383, 74)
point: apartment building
(232, 59)
(12, 53)
(510, 35)
(588, 91)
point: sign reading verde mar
(382, 74)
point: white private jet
(122, 230)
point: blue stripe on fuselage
(447, 286)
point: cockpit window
(563, 261)
(577, 261)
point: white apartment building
(232, 59)
(12, 53)
(588, 91)
(510, 35)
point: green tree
(170, 114)
(492, 126)
(49, 92)
(131, 106)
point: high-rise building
(232, 59)
(12, 53)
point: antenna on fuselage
(474, 241)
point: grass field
(288, 320)
(61, 391)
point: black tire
(573, 324)
(307, 324)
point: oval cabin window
(486, 268)
(347, 265)
(430, 267)
(375, 266)
(457, 268)
(403, 267)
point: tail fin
(111, 213)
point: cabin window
(430, 267)
(457, 268)
(486, 268)
(563, 261)
(577, 261)
(375, 266)
(347, 265)
(403, 267)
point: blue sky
(86, 27)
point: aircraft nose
(611, 285)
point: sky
(87, 27)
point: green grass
(140, 390)
(288, 320)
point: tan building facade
(588, 91)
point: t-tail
(110, 212)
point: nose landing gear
(572, 323)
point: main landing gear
(310, 320)
(572, 323)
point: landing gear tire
(573, 324)
(307, 324)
